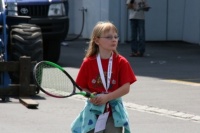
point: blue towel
(87, 119)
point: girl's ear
(96, 40)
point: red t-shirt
(89, 76)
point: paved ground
(165, 99)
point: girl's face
(108, 41)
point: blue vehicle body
(51, 16)
(4, 77)
(54, 26)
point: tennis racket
(54, 81)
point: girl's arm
(121, 91)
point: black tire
(5, 99)
(25, 40)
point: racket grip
(89, 95)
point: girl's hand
(93, 100)
(100, 99)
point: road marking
(164, 112)
(183, 82)
(154, 110)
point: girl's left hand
(99, 99)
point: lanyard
(106, 86)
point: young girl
(109, 75)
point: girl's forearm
(123, 90)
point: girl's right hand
(94, 100)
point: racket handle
(89, 95)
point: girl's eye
(110, 37)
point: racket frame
(83, 93)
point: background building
(167, 20)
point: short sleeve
(126, 73)
(81, 79)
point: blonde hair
(100, 28)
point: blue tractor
(32, 28)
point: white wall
(191, 29)
(96, 10)
(175, 19)
(75, 16)
(118, 15)
(156, 20)
(166, 20)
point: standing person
(137, 10)
(109, 75)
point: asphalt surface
(165, 99)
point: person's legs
(134, 30)
(141, 30)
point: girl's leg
(110, 127)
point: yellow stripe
(183, 82)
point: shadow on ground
(166, 60)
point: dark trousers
(138, 35)
(110, 128)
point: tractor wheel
(25, 40)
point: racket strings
(53, 80)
